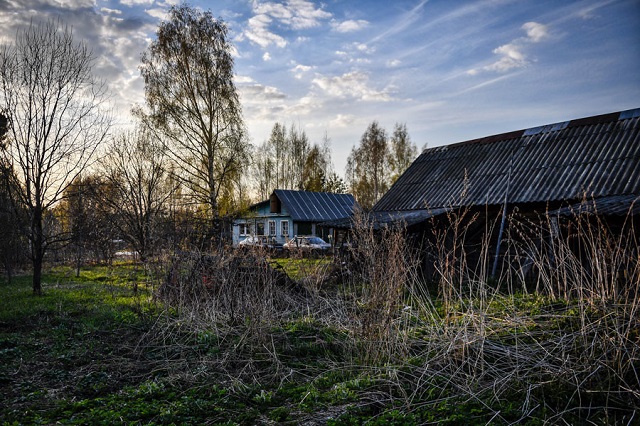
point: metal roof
(591, 157)
(307, 206)
(388, 219)
(617, 205)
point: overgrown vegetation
(237, 339)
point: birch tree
(402, 152)
(367, 168)
(192, 100)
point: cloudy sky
(450, 70)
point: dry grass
(564, 347)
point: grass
(93, 351)
(299, 268)
(103, 349)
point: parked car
(307, 243)
(260, 241)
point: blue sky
(450, 70)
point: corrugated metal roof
(594, 157)
(307, 206)
(388, 219)
(404, 218)
(617, 205)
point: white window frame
(244, 229)
(271, 225)
(284, 228)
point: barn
(500, 198)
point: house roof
(591, 157)
(307, 206)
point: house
(287, 213)
(588, 164)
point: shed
(589, 164)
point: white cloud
(342, 120)
(299, 70)
(258, 32)
(356, 53)
(394, 63)
(240, 79)
(349, 26)
(588, 12)
(535, 32)
(112, 11)
(305, 14)
(302, 68)
(157, 13)
(353, 85)
(295, 14)
(511, 55)
(135, 2)
(266, 57)
(255, 92)
(363, 48)
(275, 10)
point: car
(307, 243)
(259, 241)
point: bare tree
(264, 171)
(56, 121)
(4, 127)
(134, 172)
(288, 161)
(11, 243)
(192, 99)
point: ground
(101, 349)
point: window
(304, 228)
(284, 228)
(245, 229)
(272, 227)
(260, 228)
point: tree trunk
(37, 250)
(37, 275)
(78, 261)
(215, 231)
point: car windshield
(316, 240)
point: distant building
(288, 213)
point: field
(129, 345)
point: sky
(451, 70)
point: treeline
(287, 160)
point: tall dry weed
(554, 334)
(382, 266)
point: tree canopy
(367, 168)
(192, 100)
(376, 163)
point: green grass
(298, 268)
(98, 349)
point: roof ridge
(547, 128)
